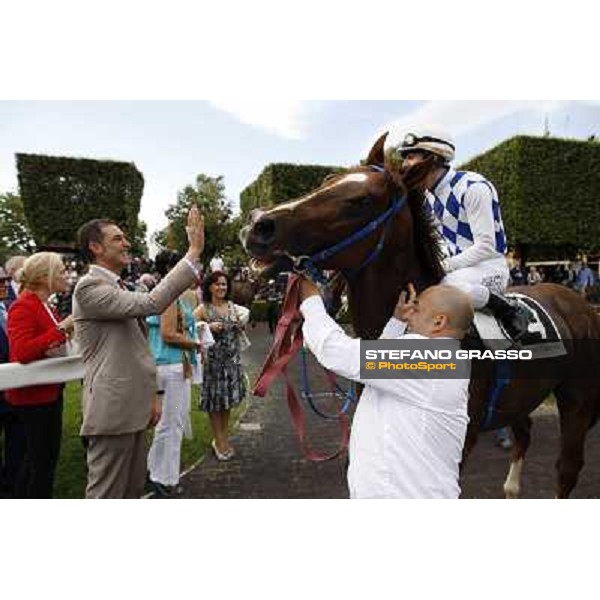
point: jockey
(466, 210)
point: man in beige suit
(120, 395)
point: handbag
(244, 340)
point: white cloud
(286, 118)
(459, 117)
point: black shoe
(513, 318)
(163, 491)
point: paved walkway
(269, 462)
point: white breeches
(478, 281)
(164, 457)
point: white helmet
(429, 139)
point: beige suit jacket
(120, 375)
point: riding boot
(513, 318)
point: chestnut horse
(404, 250)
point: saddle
(542, 337)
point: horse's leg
(522, 433)
(574, 423)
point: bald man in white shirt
(408, 434)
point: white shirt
(408, 434)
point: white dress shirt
(408, 434)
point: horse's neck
(374, 293)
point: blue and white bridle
(308, 265)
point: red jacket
(31, 332)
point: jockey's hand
(307, 289)
(406, 307)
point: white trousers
(164, 457)
(478, 281)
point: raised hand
(195, 231)
(405, 307)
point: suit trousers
(116, 465)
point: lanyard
(48, 309)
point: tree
(139, 245)
(221, 229)
(15, 235)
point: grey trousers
(116, 465)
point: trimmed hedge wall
(549, 190)
(280, 182)
(60, 194)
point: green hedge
(60, 194)
(280, 182)
(549, 189)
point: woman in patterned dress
(224, 385)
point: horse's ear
(376, 155)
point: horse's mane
(428, 247)
(429, 250)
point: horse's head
(338, 208)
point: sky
(171, 142)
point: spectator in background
(533, 277)
(517, 274)
(571, 275)
(12, 267)
(35, 331)
(559, 275)
(584, 279)
(273, 304)
(172, 338)
(63, 301)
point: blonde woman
(35, 332)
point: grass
(71, 475)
